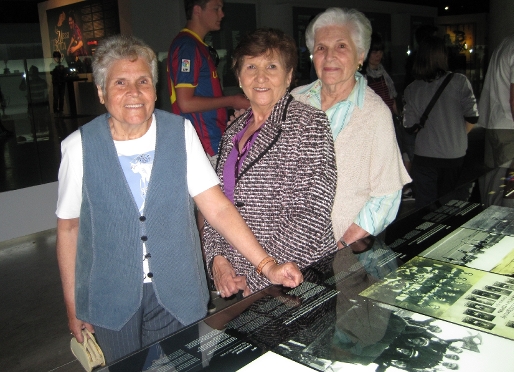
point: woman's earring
(359, 67)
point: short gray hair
(358, 24)
(118, 47)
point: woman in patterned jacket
(277, 165)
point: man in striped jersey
(193, 82)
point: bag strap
(432, 102)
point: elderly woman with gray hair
(127, 242)
(370, 173)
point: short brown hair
(264, 41)
(431, 61)
(190, 4)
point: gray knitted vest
(109, 269)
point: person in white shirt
(127, 243)
(496, 107)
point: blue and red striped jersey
(190, 65)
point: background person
(59, 30)
(3, 104)
(193, 81)
(38, 108)
(420, 34)
(408, 140)
(497, 105)
(276, 165)
(441, 145)
(76, 47)
(59, 77)
(376, 75)
(362, 127)
(496, 109)
(128, 249)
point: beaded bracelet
(263, 263)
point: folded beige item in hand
(88, 352)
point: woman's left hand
(352, 234)
(287, 274)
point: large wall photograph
(76, 29)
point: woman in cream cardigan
(370, 172)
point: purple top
(235, 159)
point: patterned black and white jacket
(285, 190)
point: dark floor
(34, 333)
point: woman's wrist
(343, 242)
(219, 263)
(265, 262)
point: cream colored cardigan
(368, 160)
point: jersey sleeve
(183, 64)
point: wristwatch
(345, 245)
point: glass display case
(435, 292)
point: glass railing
(31, 130)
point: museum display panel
(435, 292)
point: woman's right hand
(225, 279)
(287, 274)
(76, 326)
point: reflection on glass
(327, 325)
(30, 130)
(35, 89)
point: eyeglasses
(214, 55)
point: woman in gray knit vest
(127, 243)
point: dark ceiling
(21, 11)
(455, 7)
(25, 11)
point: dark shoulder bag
(418, 126)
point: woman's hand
(287, 274)
(225, 279)
(76, 326)
(352, 234)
